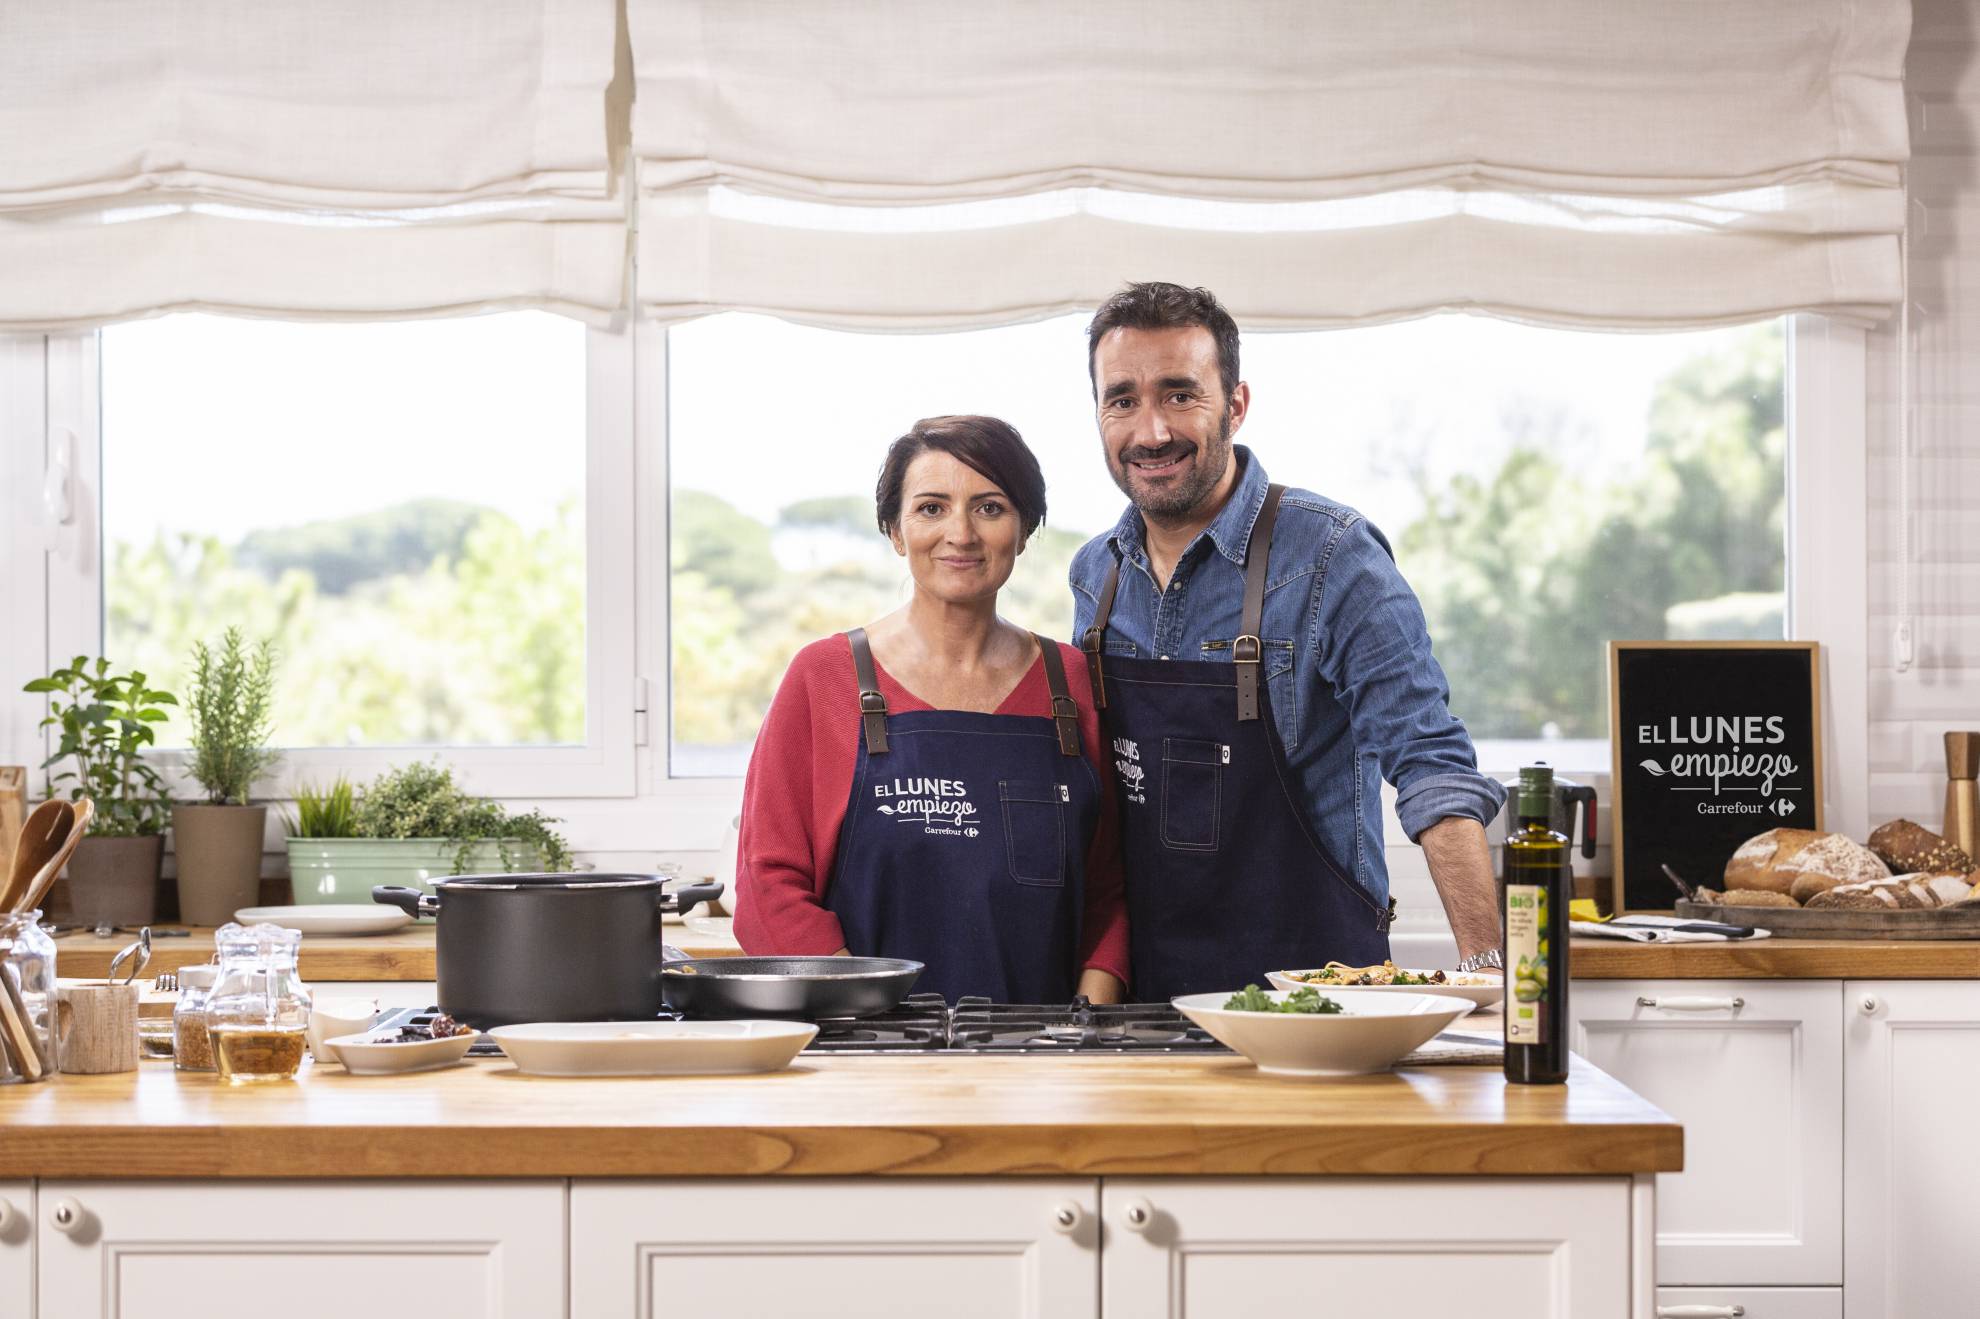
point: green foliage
(106, 720)
(231, 722)
(710, 538)
(325, 812)
(342, 553)
(422, 800)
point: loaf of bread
(1910, 849)
(1938, 890)
(1877, 895)
(1801, 863)
(1756, 897)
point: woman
(916, 790)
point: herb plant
(329, 812)
(105, 721)
(232, 690)
(423, 801)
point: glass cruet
(258, 1015)
(27, 999)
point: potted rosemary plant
(218, 840)
(104, 720)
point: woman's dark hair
(984, 444)
(1159, 306)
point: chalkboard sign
(1713, 742)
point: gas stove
(925, 1023)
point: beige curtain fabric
(340, 158)
(897, 164)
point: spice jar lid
(198, 977)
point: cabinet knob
(1869, 1004)
(1701, 1312)
(67, 1215)
(1067, 1216)
(1138, 1214)
(8, 1217)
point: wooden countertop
(402, 955)
(1785, 959)
(836, 1116)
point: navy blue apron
(1226, 878)
(964, 843)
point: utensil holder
(96, 1027)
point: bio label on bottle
(1526, 948)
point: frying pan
(803, 987)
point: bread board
(1961, 922)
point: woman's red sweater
(800, 778)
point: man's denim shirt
(1355, 692)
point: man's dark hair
(1159, 306)
(984, 444)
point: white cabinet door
(1912, 1068)
(301, 1250)
(898, 1248)
(1753, 1069)
(17, 1249)
(1479, 1247)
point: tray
(1962, 922)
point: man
(1261, 665)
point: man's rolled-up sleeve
(1374, 648)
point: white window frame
(603, 766)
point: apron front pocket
(1192, 792)
(1035, 831)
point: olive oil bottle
(1538, 886)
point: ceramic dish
(1478, 996)
(334, 1018)
(1375, 1027)
(367, 1055)
(329, 918)
(721, 928)
(653, 1048)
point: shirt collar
(1229, 531)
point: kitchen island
(965, 1185)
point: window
(427, 519)
(1544, 491)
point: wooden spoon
(42, 836)
(85, 811)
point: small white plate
(713, 927)
(653, 1048)
(329, 918)
(367, 1055)
(1479, 996)
(1373, 1029)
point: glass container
(192, 1042)
(258, 1015)
(27, 999)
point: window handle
(56, 501)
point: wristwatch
(1480, 961)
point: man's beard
(1177, 502)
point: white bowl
(368, 1055)
(653, 1048)
(1373, 1029)
(331, 1018)
(1478, 996)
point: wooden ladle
(42, 836)
(85, 811)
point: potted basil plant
(218, 840)
(103, 722)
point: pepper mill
(1963, 793)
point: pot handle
(409, 900)
(689, 894)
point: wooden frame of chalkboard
(1711, 742)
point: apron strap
(1065, 710)
(872, 705)
(1095, 638)
(1248, 650)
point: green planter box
(344, 869)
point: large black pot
(515, 948)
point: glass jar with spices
(258, 1016)
(27, 999)
(192, 1044)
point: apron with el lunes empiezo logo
(1226, 879)
(964, 843)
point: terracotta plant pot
(219, 851)
(114, 881)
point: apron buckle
(1247, 650)
(1387, 918)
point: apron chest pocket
(1192, 792)
(1035, 831)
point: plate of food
(1310, 1032)
(1480, 991)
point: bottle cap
(1536, 790)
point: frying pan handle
(409, 900)
(687, 895)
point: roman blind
(901, 164)
(343, 158)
